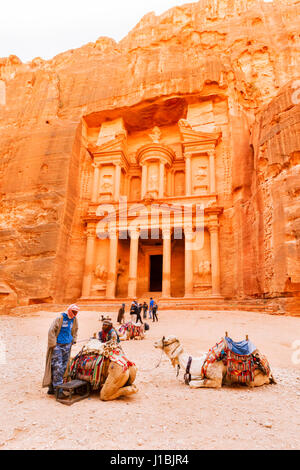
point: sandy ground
(165, 413)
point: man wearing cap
(61, 335)
(108, 332)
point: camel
(131, 330)
(216, 372)
(117, 374)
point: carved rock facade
(198, 105)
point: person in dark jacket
(138, 315)
(154, 310)
(134, 309)
(145, 309)
(121, 315)
(108, 332)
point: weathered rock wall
(249, 49)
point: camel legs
(132, 375)
(114, 386)
(259, 379)
(214, 380)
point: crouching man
(108, 332)
(61, 335)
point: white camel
(216, 372)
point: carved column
(166, 283)
(188, 261)
(89, 260)
(212, 174)
(95, 191)
(161, 180)
(117, 182)
(188, 176)
(215, 256)
(144, 180)
(133, 262)
(112, 264)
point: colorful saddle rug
(133, 329)
(92, 365)
(240, 367)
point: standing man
(154, 310)
(151, 307)
(61, 335)
(134, 309)
(121, 315)
(138, 315)
(145, 309)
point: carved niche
(200, 175)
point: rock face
(232, 66)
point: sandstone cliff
(249, 49)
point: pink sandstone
(212, 90)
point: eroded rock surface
(241, 55)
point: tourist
(121, 315)
(151, 307)
(145, 309)
(138, 315)
(154, 310)
(61, 335)
(108, 332)
(134, 310)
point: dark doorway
(156, 262)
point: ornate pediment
(189, 136)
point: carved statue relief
(200, 177)
(155, 135)
(203, 268)
(101, 277)
(101, 272)
(106, 185)
(153, 181)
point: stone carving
(202, 269)
(200, 178)
(155, 135)
(101, 276)
(184, 123)
(153, 182)
(101, 272)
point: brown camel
(216, 372)
(117, 374)
(131, 330)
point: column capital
(211, 153)
(166, 233)
(112, 233)
(213, 227)
(188, 232)
(90, 230)
(96, 165)
(134, 233)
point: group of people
(61, 336)
(136, 310)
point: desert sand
(165, 413)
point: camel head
(170, 345)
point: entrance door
(156, 264)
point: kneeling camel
(215, 373)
